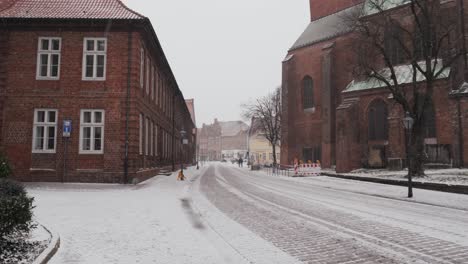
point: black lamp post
(182, 136)
(408, 122)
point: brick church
(87, 94)
(331, 116)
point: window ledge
(44, 152)
(93, 79)
(47, 78)
(39, 169)
(309, 110)
(82, 152)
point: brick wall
(70, 94)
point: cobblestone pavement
(320, 225)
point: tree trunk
(274, 155)
(417, 155)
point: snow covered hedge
(16, 210)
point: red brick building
(331, 116)
(223, 140)
(97, 65)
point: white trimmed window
(48, 58)
(142, 68)
(94, 59)
(45, 131)
(92, 131)
(141, 134)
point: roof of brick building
(67, 9)
(326, 28)
(233, 128)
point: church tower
(322, 8)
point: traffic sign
(67, 128)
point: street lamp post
(408, 122)
(182, 136)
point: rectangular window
(94, 59)
(142, 68)
(45, 131)
(92, 131)
(141, 134)
(48, 58)
(146, 136)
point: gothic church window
(308, 92)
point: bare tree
(266, 112)
(406, 50)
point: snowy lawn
(446, 176)
(147, 223)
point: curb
(460, 189)
(50, 251)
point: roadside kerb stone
(51, 250)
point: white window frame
(92, 125)
(46, 125)
(48, 52)
(95, 54)
(141, 134)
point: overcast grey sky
(224, 53)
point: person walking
(241, 162)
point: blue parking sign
(67, 128)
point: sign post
(67, 129)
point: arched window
(308, 93)
(429, 122)
(378, 121)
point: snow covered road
(224, 214)
(318, 220)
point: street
(320, 224)
(225, 214)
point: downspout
(127, 102)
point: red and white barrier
(312, 169)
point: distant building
(260, 149)
(86, 93)
(223, 140)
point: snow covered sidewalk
(148, 223)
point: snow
(445, 176)
(441, 199)
(157, 221)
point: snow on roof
(232, 128)
(404, 75)
(375, 6)
(463, 90)
(326, 28)
(71, 9)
